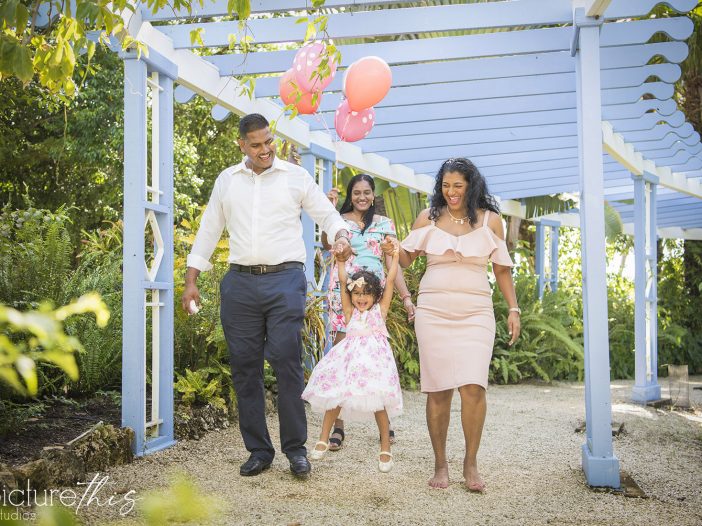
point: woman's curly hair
(372, 287)
(478, 196)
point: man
(259, 201)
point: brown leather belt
(266, 269)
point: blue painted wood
(512, 66)
(458, 47)
(646, 386)
(600, 465)
(363, 24)
(133, 314)
(412, 20)
(540, 258)
(308, 228)
(507, 87)
(559, 11)
(555, 230)
(165, 273)
(155, 62)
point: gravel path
(530, 459)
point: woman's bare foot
(474, 481)
(440, 480)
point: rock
(191, 422)
(36, 474)
(105, 446)
(7, 478)
(66, 467)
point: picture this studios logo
(95, 493)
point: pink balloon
(306, 62)
(366, 82)
(352, 126)
(289, 93)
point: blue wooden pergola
(545, 96)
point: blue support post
(540, 257)
(555, 229)
(148, 205)
(164, 436)
(545, 276)
(646, 387)
(600, 465)
(309, 163)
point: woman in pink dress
(459, 234)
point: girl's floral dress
(368, 256)
(359, 373)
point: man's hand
(333, 196)
(191, 293)
(342, 249)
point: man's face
(259, 148)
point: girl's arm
(346, 304)
(392, 274)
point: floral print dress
(368, 256)
(359, 373)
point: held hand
(342, 250)
(514, 325)
(387, 246)
(410, 308)
(190, 297)
(333, 196)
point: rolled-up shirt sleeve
(209, 233)
(320, 209)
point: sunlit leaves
(38, 335)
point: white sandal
(385, 467)
(318, 454)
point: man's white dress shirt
(262, 215)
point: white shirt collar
(278, 164)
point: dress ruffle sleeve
(480, 243)
(500, 254)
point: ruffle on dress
(479, 243)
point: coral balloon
(366, 82)
(289, 93)
(286, 88)
(305, 66)
(305, 105)
(352, 126)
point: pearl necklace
(458, 221)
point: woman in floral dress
(367, 231)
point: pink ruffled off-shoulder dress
(455, 321)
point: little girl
(358, 376)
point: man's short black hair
(251, 122)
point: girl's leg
(381, 418)
(327, 423)
(473, 409)
(337, 439)
(438, 417)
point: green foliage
(197, 388)
(36, 259)
(100, 360)
(181, 502)
(550, 345)
(38, 336)
(14, 416)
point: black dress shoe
(253, 466)
(300, 466)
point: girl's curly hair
(372, 287)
